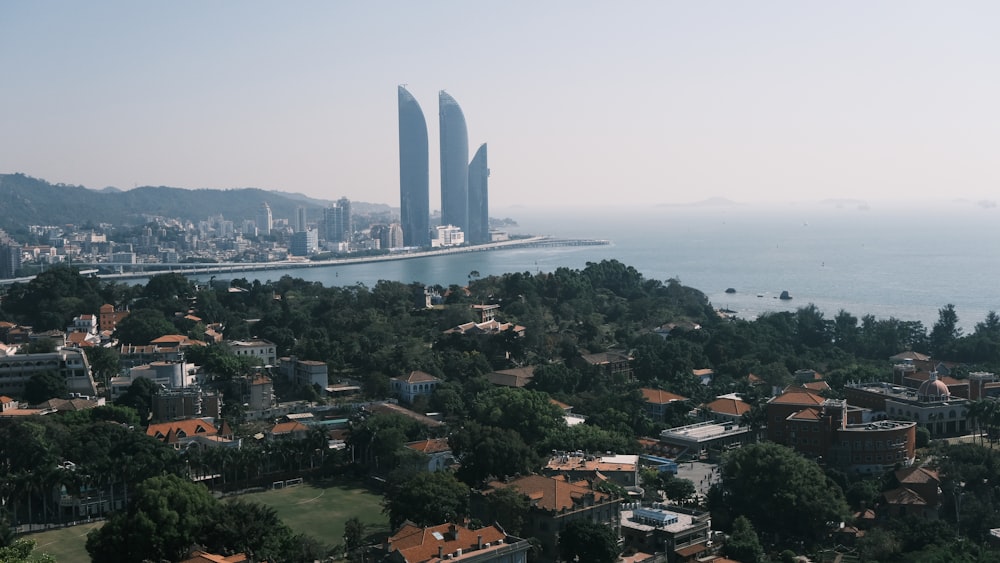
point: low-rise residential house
(515, 377)
(615, 364)
(555, 502)
(658, 401)
(290, 430)
(454, 542)
(412, 385)
(682, 533)
(727, 408)
(202, 432)
(198, 556)
(436, 451)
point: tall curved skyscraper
(479, 198)
(414, 185)
(454, 163)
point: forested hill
(33, 201)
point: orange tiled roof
(432, 446)
(417, 376)
(289, 427)
(660, 397)
(729, 405)
(417, 545)
(204, 557)
(806, 414)
(816, 386)
(171, 431)
(798, 396)
(551, 493)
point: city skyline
(454, 143)
(653, 102)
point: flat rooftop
(703, 431)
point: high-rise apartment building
(264, 219)
(337, 223)
(10, 256)
(414, 190)
(300, 219)
(454, 163)
(479, 213)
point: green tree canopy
(165, 517)
(779, 491)
(143, 326)
(743, 543)
(428, 499)
(585, 541)
(43, 386)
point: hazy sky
(630, 102)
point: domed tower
(933, 390)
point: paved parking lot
(703, 475)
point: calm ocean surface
(899, 262)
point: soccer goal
(278, 485)
(293, 482)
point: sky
(584, 103)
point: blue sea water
(902, 262)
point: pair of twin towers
(464, 184)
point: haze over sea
(887, 260)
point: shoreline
(237, 267)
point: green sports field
(320, 511)
(317, 510)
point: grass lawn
(65, 544)
(320, 510)
(317, 510)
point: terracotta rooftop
(806, 414)
(171, 431)
(659, 396)
(910, 355)
(729, 405)
(289, 427)
(432, 446)
(204, 557)
(816, 386)
(417, 376)
(420, 545)
(552, 493)
(914, 475)
(798, 396)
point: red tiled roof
(168, 431)
(289, 427)
(729, 405)
(417, 376)
(659, 396)
(806, 414)
(204, 557)
(798, 396)
(432, 446)
(418, 545)
(551, 493)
